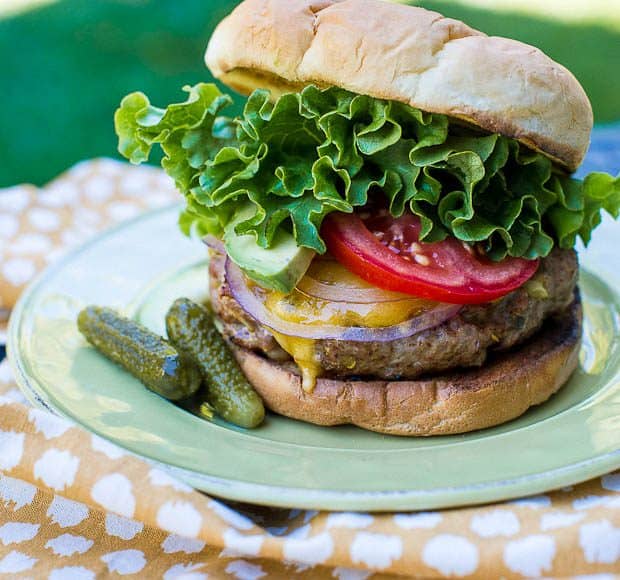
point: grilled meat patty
(463, 341)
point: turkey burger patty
(463, 341)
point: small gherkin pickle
(190, 328)
(147, 356)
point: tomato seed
(468, 248)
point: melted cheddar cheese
(303, 353)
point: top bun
(406, 54)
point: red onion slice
(257, 310)
(215, 244)
(314, 285)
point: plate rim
(291, 496)
(372, 501)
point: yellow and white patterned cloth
(73, 506)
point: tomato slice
(386, 252)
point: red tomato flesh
(386, 252)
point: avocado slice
(279, 267)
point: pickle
(191, 329)
(147, 356)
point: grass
(67, 64)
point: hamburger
(391, 221)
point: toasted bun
(407, 54)
(452, 403)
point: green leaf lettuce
(310, 153)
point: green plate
(143, 265)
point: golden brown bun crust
(448, 404)
(407, 54)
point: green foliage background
(66, 66)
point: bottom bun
(502, 389)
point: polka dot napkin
(36, 226)
(74, 507)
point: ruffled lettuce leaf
(310, 153)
